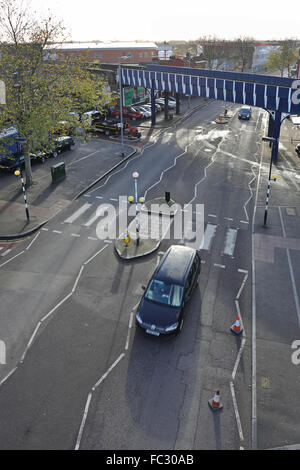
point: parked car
(162, 307)
(245, 112)
(171, 103)
(90, 117)
(12, 162)
(158, 108)
(60, 144)
(297, 149)
(145, 112)
(127, 111)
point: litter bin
(58, 172)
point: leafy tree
(40, 91)
(283, 58)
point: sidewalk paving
(46, 199)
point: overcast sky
(162, 20)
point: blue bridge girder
(279, 96)
(268, 92)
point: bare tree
(39, 92)
(244, 49)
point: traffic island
(132, 249)
(154, 220)
(222, 119)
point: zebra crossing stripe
(208, 236)
(1, 248)
(5, 252)
(78, 213)
(230, 240)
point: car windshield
(163, 293)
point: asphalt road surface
(82, 375)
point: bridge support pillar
(177, 103)
(275, 120)
(153, 110)
(166, 106)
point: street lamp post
(20, 174)
(135, 175)
(121, 104)
(272, 141)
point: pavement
(47, 199)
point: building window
(146, 54)
(141, 54)
(101, 55)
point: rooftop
(104, 45)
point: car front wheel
(55, 154)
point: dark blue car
(161, 310)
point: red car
(127, 112)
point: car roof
(175, 264)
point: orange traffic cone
(236, 327)
(214, 402)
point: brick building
(105, 52)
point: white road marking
(208, 236)
(108, 371)
(94, 256)
(75, 235)
(86, 410)
(128, 333)
(77, 214)
(6, 252)
(212, 215)
(56, 307)
(236, 411)
(9, 260)
(230, 241)
(1, 248)
(30, 341)
(32, 241)
(56, 231)
(45, 229)
(77, 279)
(7, 376)
(219, 265)
(92, 238)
